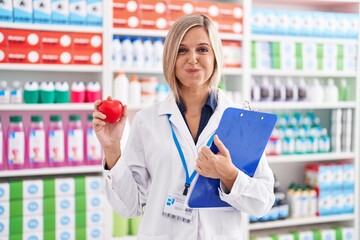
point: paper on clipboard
(245, 134)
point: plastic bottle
(93, 91)
(291, 90)
(31, 92)
(324, 141)
(158, 52)
(75, 141)
(16, 143)
(56, 142)
(47, 92)
(93, 146)
(316, 92)
(77, 92)
(127, 54)
(279, 90)
(266, 90)
(302, 90)
(255, 91)
(121, 88)
(2, 164)
(148, 53)
(134, 90)
(138, 52)
(343, 90)
(331, 93)
(117, 51)
(36, 142)
(16, 95)
(62, 92)
(4, 93)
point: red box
(56, 56)
(126, 14)
(154, 15)
(179, 8)
(23, 39)
(3, 37)
(87, 41)
(58, 40)
(211, 9)
(231, 11)
(87, 57)
(3, 55)
(21, 55)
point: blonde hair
(172, 43)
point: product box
(33, 223)
(16, 189)
(64, 220)
(78, 11)
(331, 24)
(6, 11)
(4, 191)
(353, 19)
(33, 207)
(303, 235)
(56, 56)
(87, 57)
(81, 203)
(126, 14)
(33, 189)
(4, 228)
(233, 55)
(325, 202)
(66, 234)
(95, 218)
(4, 209)
(319, 175)
(60, 11)
(348, 176)
(320, 24)
(283, 236)
(282, 22)
(55, 40)
(95, 233)
(270, 21)
(42, 11)
(49, 187)
(179, 8)
(337, 176)
(65, 204)
(287, 62)
(87, 41)
(349, 200)
(93, 184)
(64, 187)
(154, 14)
(33, 236)
(23, 11)
(308, 24)
(328, 234)
(94, 13)
(229, 26)
(94, 202)
(338, 201)
(258, 21)
(17, 39)
(3, 37)
(211, 9)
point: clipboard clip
(248, 107)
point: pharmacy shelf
(52, 27)
(313, 3)
(163, 33)
(302, 73)
(47, 107)
(315, 157)
(125, 238)
(299, 39)
(300, 105)
(50, 67)
(51, 171)
(301, 221)
(226, 71)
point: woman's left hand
(218, 166)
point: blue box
(6, 11)
(42, 11)
(60, 11)
(94, 12)
(23, 11)
(78, 12)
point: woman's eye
(182, 50)
(203, 49)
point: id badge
(175, 208)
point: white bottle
(148, 53)
(331, 92)
(158, 52)
(116, 51)
(302, 90)
(138, 52)
(121, 88)
(316, 91)
(291, 90)
(255, 91)
(4, 92)
(127, 54)
(279, 90)
(16, 93)
(134, 90)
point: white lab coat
(150, 168)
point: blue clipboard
(245, 134)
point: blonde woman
(168, 143)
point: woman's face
(195, 60)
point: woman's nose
(193, 58)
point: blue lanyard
(189, 178)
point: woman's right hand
(109, 134)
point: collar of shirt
(206, 112)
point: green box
(320, 50)
(299, 63)
(320, 63)
(340, 50)
(49, 187)
(79, 185)
(80, 203)
(16, 208)
(275, 49)
(276, 62)
(49, 224)
(16, 189)
(49, 205)
(16, 226)
(253, 61)
(340, 64)
(298, 50)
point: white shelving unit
(286, 166)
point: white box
(94, 202)
(4, 228)
(95, 218)
(4, 210)
(64, 186)
(95, 233)
(33, 207)
(33, 236)
(65, 234)
(33, 224)
(4, 191)
(33, 189)
(93, 184)
(65, 204)
(65, 220)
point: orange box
(87, 57)
(233, 54)
(22, 55)
(23, 39)
(179, 8)
(231, 11)
(56, 56)
(3, 37)
(3, 55)
(87, 41)
(211, 9)
(126, 14)
(230, 26)
(154, 15)
(60, 40)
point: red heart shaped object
(113, 109)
